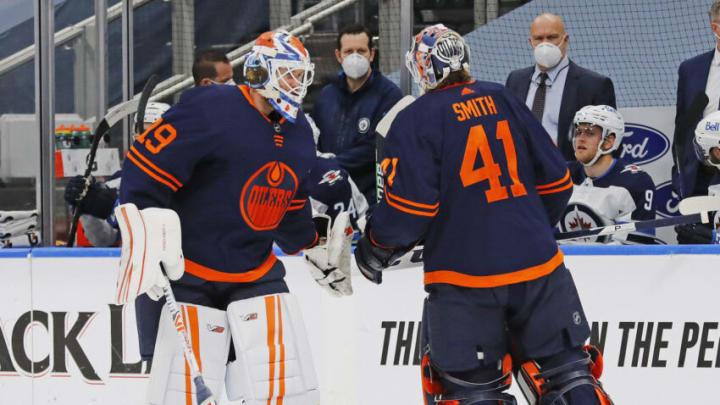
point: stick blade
(699, 204)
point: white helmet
(279, 67)
(153, 112)
(707, 136)
(607, 118)
(434, 53)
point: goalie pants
(194, 290)
(538, 318)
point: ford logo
(642, 144)
(665, 204)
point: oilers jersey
(234, 176)
(623, 193)
(470, 170)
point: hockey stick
(684, 126)
(694, 209)
(115, 114)
(381, 131)
(203, 395)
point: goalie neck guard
(279, 68)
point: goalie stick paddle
(381, 131)
(685, 126)
(202, 393)
(115, 114)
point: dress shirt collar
(552, 73)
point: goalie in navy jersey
(232, 163)
(471, 171)
(607, 190)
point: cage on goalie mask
(279, 68)
(608, 119)
(434, 53)
(707, 136)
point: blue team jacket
(469, 169)
(235, 179)
(347, 125)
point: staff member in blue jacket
(349, 108)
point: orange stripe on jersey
(281, 376)
(555, 183)
(206, 273)
(466, 280)
(557, 190)
(157, 169)
(150, 173)
(412, 203)
(270, 315)
(296, 205)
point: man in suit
(697, 75)
(555, 88)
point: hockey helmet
(608, 119)
(153, 112)
(279, 68)
(434, 53)
(707, 136)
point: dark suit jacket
(582, 87)
(692, 79)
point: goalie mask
(279, 68)
(434, 53)
(608, 119)
(707, 137)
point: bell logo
(712, 126)
(642, 144)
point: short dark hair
(353, 29)
(204, 64)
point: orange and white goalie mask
(279, 67)
(151, 242)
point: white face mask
(548, 55)
(355, 65)
(228, 82)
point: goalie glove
(329, 262)
(151, 250)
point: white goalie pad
(148, 237)
(170, 381)
(274, 359)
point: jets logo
(331, 177)
(267, 195)
(578, 217)
(363, 125)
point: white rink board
(355, 339)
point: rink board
(654, 312)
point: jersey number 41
(490, 171)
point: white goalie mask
(608, 119)
(707, 136)
(279, 68)
(434, 53)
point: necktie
(538, 104)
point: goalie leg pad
(170, 378)
(274, 362)
(567, 378)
